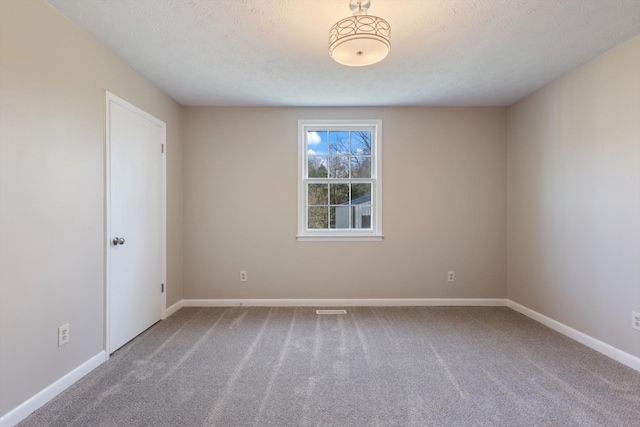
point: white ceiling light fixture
(360, 39)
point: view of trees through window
(339, 182)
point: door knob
(118, 241)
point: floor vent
(331, 311)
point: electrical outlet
(451, 276)
(635, 320)
(63, 335)
(243, 276)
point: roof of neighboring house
(360, 200)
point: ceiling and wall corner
(275, 52)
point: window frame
(375, 232)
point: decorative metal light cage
(360, 39)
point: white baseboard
(22, 411)
(175, 307)
(371, 302)
(601, 347)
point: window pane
(361, 194)
(318, 217)
(339, 216)
(361, 216)
(338, 167)
(317, 143)
(361, 167)
(361, 143)
(339, 142)
(318, 194)
(338, 194)
(317, 167)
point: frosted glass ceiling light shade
(360, 39)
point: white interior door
(135, 230)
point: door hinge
(161, 287)
(162, 148)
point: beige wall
(444, 207)
(574, 198)
(52, 112)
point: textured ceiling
(274, 52)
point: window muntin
(339, 180)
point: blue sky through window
(317, 143)
(337, 143)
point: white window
(339, 180)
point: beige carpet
(411, 366)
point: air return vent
(331, 311)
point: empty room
(319, 213)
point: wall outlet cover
(635, 320)
(63, 335)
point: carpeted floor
(409, 366)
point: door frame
(162, 302)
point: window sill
(340, 238)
